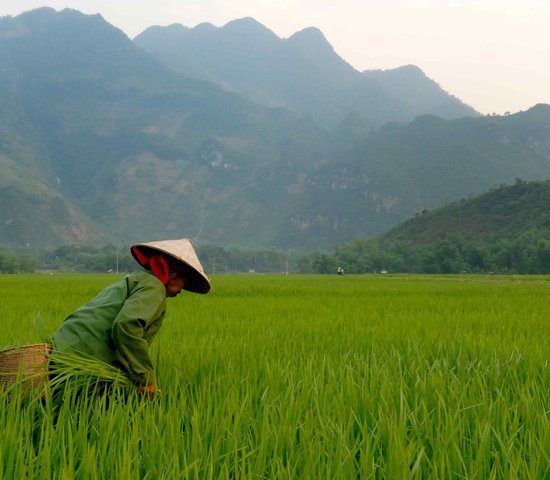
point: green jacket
(118, 325)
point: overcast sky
(492, 54)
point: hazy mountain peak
(68, 21)
(310, 36)
(312, 44)
(173, 27)
(249, 26)
(245, 21)
(204, 27)
(539, 113)
(418, 92)
(403, 71)
(409, 68)
(541, 108)
(168, 33)
(42, 12)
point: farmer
(118, 325)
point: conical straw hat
(182, 251)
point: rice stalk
(80, 370)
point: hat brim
(196, 282)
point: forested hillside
(403, 169)
(504, 213)
(506, 230)
(141, 151)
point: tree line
(113, 259)
(528, 253)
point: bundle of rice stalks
(81, 370)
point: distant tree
(7, 263)
(12, 263)
(543, 256)
(323, 263)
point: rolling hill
(504, 213)
(505, 231)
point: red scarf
(157, 264)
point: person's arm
(144, 306)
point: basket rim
(29, 346)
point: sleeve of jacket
(144, 306)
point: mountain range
(105, 139)
(302, 73)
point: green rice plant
(302, 377)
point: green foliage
(504, 212)
(526, 254)
(15, 263)
(109, 258)
(87, 259)
(220, 260)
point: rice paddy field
(302, 377)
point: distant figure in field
(340, 271)
(120, 322)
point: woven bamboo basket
(25, 364)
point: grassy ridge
(505, 212)
(307, 377)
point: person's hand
(149, 390)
